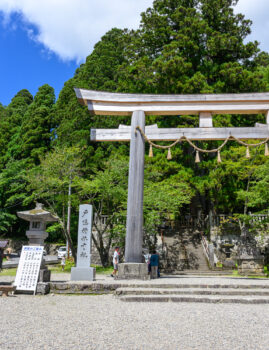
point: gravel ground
(103, 322)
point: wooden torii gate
(139, 105)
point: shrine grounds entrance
(138, 106)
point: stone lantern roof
(37, 214)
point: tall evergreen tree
(10, 124)
(189, 46)
(36, 129)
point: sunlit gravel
(104, 322)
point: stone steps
(185, 252)
(198, 293)
(191, 291)
(97, 287)
(196, 299)
(202, 273)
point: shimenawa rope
(198, 149)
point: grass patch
(58, 269)
(70, 263)
(237, 274)
(9, 272)
(103, 270)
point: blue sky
(26, 64)
(44, 41)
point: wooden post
(205, 120)
(134, 229)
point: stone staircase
(198, 293)
(173, 289)
(184, 252)
(185, 255)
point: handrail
(205, 246)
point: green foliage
(191, 47)
(259, 192)
(50, 183)
(36, 128)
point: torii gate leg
(134, 234)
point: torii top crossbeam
(106, 103)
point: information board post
(28, 269)
(83, 270)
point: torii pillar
(134, 228)
(139, 105)
(133, 266)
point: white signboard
(28, 269)
(84, 236)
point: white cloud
(257, 11)
(70, 28)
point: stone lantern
(37, 234)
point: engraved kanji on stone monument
(84, 236)
(83, 271)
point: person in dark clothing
(3, 245)
(1, 257)
(154, 261)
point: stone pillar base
(44, 275)
(130, 271)
(83, 273)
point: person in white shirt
(116, 259)
(63, 262)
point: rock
(42, 288)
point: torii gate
(139, 105)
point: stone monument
(37, 234)
(250, 260)
(83, 270)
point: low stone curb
(189, 291)
(94, 287)
(187, 299)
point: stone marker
(83, 270)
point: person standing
(154, 262)
(116, 260)
(1, 257)
(3, 245)
(63, 262)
